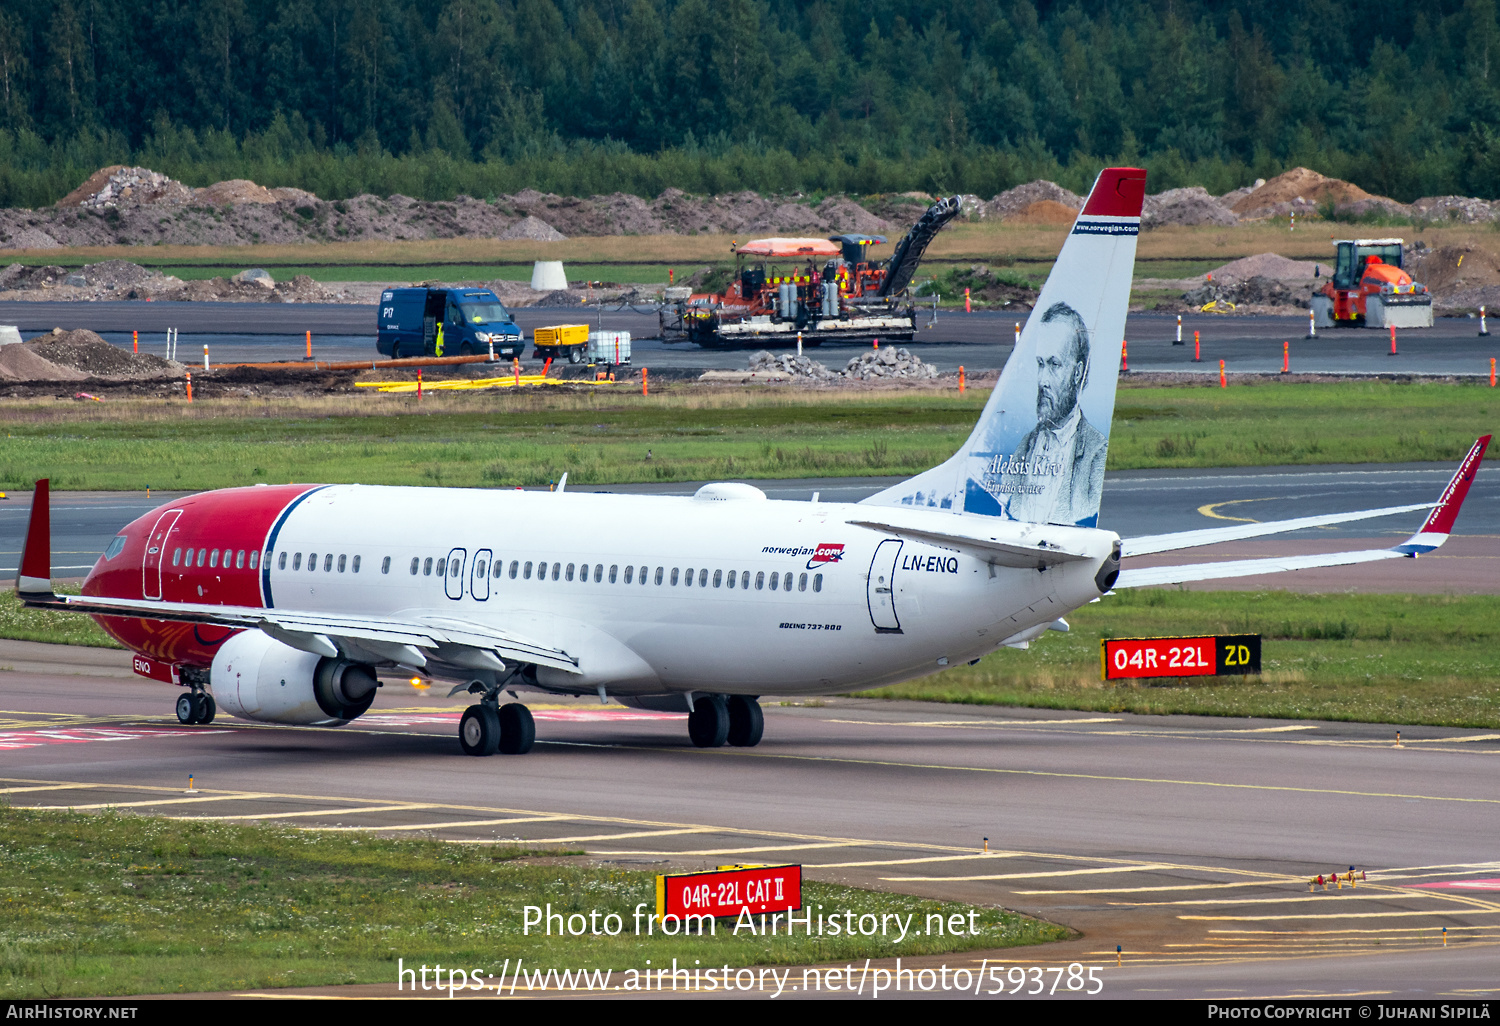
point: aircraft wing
(1431, 535)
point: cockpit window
(115, 547)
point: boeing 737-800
(285, 604)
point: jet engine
(258, 678)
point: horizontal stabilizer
(1433, 533)
(1148, 544)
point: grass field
(112, 904)
(1429, 659)
(971, 242)
(503, 439)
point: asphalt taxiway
(1188, 842)
(981, 341)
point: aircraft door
(479, 577)
(881, 589)
(453, 584)
(156, 551)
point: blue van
(472, 320)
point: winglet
(1440, 521)
(34, 577)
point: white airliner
(285, 604)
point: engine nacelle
(258, 678)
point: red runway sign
(729, 891)
(1127, 658)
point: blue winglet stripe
(270, 547)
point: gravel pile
(1185, 206)
(1266, 265)
(1014, 201)
(794, 366)
(85, 353)
(532, 228)
(1460, 209)
(116, 274)
(1256, 291)
(30, 238)
(888, 363)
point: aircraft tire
(708, 723)
(187, 708)
(746, 722)
(479, 731)
(517, 729)
(209, 707)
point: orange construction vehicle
(1370, 289)
(818, 289)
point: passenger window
(786, 583)
(355, 566)
(227, 553)
(239, 559)
(176, 556)
(774, 580)
(342, 559)
(760, 580)
(281, 563)
(442, 567)
(480, 568)
(687, 578)
(328, 563)
(526, 573)
(312, 561)
(454, 568)
(731, 579)
(598, 573)
(817, 582)
(802, 583)
(643, 576)
(201, 554)
(703, 578)
(613, 570)
(296, 561)
(385, 564)
(213, 558)
(674, 577)
(556, 570)
(718, 578)
(414, 566)
(659, 572)
(254, 559)
(497, 566)
(570, 573)
(629, 574)
(427, 567)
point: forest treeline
(436, 97)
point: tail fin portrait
(1037, 453)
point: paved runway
(254, 332)
(1187, 841)
(1135, 503)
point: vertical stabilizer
(1037, 453)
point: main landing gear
(196, 707)
(488, 728)
(720, 719)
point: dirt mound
(21, 363)
(86, 354)
(1043, 212)
(1459, 209)
(1258, 291)
(32, 276)
(1450, 270)
(843, 215)
(118, 185)
(1014, 201)
(1189, 206)
(532, 228)
(1265, 265)
(235, 190)
(31, 238)
(1304, 189)
(118, 273)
